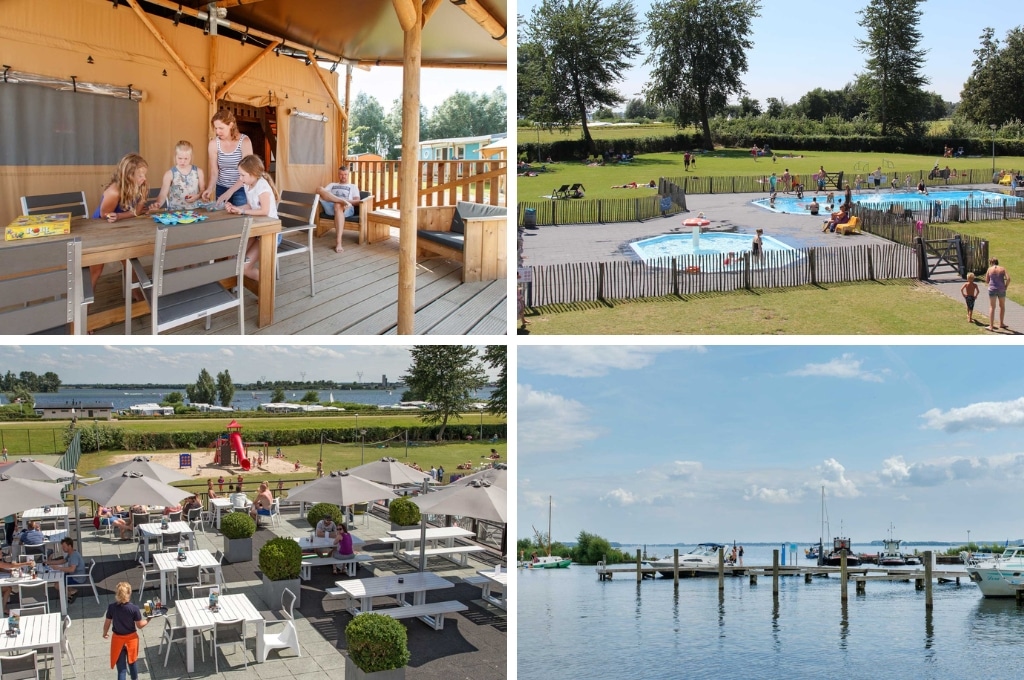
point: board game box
(34, 226)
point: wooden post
(775, 573)
(410, 16)
(861, 586)
(753, 578)
(843, 575)
(721, 570)
(639, 573)
(675, 568)
(927, 579)
(807, 577)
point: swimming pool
(884, 200)
(712, 244)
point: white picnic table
(222, 506)
(495, 578)
(316, 543)
(195, 615)
(38, 631)
(167, 563)
(398, 586)
(43, 573)
(155, 531)
(440, 542)
(55, 513)
(52, 538)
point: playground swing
(231, 450)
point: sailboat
(839, 544)
(548, 561)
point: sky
(649, 444)
(170, 364)
(798, 48)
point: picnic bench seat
(472, 233)
(462, 551)
(431, 612)
(476, 580)
(351, 564)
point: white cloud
(685, 470)
(835, 481)
(774, 496)
(620, 497)
(984, 415)
(590, 361)
(551, 422)
(897, 472)
(845, 367)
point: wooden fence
(902, 229)
(595, 211)
(440, 182)
(690, 275)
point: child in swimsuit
(970, 292)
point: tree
(495, 356)
(311, 397)
(368, 128)
(581, 48)
(992, 95)
(446, 376)
(204, 391)
(698, 50)
(277, 396)
(468, 114)
(225, 388)
(749, 106)
(894, 62)
(174, 398)
(776, 107)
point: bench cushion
(444, 238)
(465, 209)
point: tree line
(572, 53)
(28, 381)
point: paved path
(1014, 311)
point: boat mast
(549, 526)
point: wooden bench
(431, 613)
(351, 564)
(471, 233)
(379, 223)
(462, 551)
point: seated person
(171, 508)
(104, 517)
(191, 504)
(813, 206)
(921, 188)
(326, 528)
(343, 546)
(71, 564)
(799, 192)
(771, 199)
(264, 499)
(841, 217)
(494, 454)
(124, 524)
(239, 500)
(31, 535)
(339, 200)
(7, 567)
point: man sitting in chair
(339, 200)
(71, 564)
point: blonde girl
(226, 151)
(123, 198)
(182, 184)
(261, 197)
(126, 618)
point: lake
(571, 625)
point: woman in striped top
(226, 150)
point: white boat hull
(997, 582)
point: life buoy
(696, 222)
(692, 269)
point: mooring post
(639, 573)
(675, 568)
(842, 575)
(721, 570)
(775, 573)
(928, 579)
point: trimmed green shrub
(377, 643)
(280, 559)
(321, 510)
(404, 512)
(238, 525)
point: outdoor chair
(34, 594)
(275, 512)
(189, 262)
(172, 634)
(185, 576)
(47, 204)
(170, 541)
(146, 573)
(297, 212)
(65, 644)
(174, 516)
(576, 191)
(561, 192)
(92, 581)
(228, 633)
(288, 637)
(210, 572)
(33, 551)
(358, 221)
(32, 610)
(43, 290)
(204, 591)
(19, 667)
(195, 520)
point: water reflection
(997, 620)
(929, 634)
(844, 624)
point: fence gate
(944, 256)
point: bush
(280, 559)
(322, 510)
(238, 525)
(377, 643)
(404, 512)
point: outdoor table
(195, 615)
(106, 243)
(167, 563)
(317, 544)
(42, 574)
(53, 538)
(416, 583)
(436, 537)
(57, 513)
(38, 631)
(495, 578)
(154, 531)
(219, 506)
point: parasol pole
(423, 533)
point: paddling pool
(883, 200)
(712, 244)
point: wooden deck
(357, 293)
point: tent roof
(368, 31)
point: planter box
(272, 591)
(401, 527)
(352, 672)
(238, 550)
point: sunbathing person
(840, 217)
(627, 185)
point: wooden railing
(441, 182)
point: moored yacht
(704, 555)
(1000, 575)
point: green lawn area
(870, 308)
(599, 180)
(1006, 243)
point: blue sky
(172, 364)
(646, 444)
(800, 47)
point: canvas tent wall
(58, 38)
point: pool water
(883, 200)
(712, 244)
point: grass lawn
(1006, 243)
(870, 308)
(598, 180)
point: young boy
(970, 292)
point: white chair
(146, 573)
(211, 572)
(204, 591)
(92, 582)
(275, 512)
(172, 634)
(228, 633)
(195, 520)
(288, 637)
(19, 667)
(65, 644)
(32, 610)
(186, 576)
(34, 594)
(170, 541)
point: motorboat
(811, 553)
(549, 562)
(839, 546)
(1000, 575)
(704, 555)
(891, 555)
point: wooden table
(169, 562)
(195, 615)
(153, 531)
(495, 578)
(106, 243)
(40, 632)
(417, 584)
(43, 574)
(56, 513)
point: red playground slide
(239, 448)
